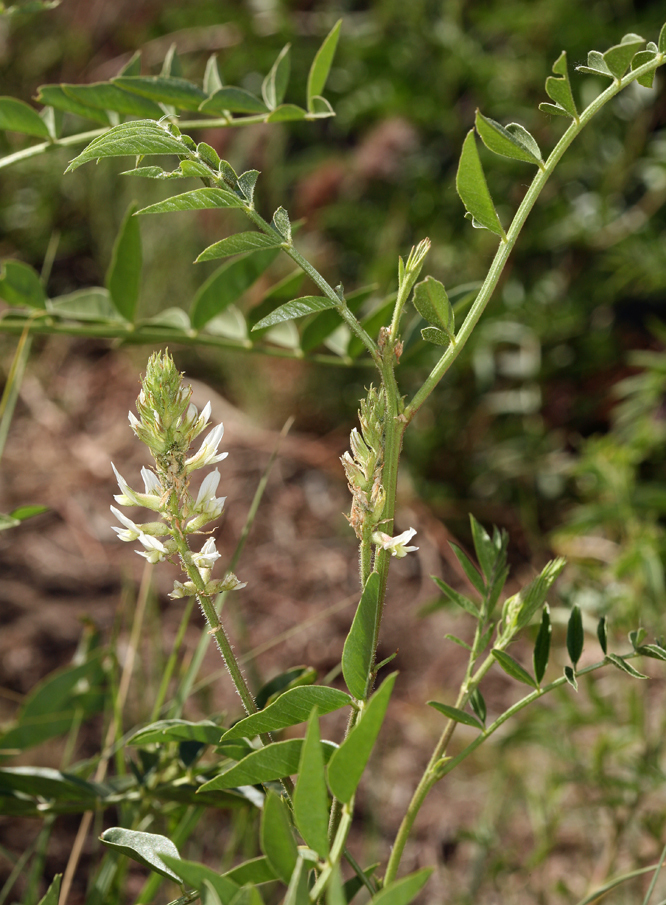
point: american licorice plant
(304, 824)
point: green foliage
(357, 654)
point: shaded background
(535, 429)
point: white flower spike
(395, 545)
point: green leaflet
(16, 116)
(642, 57)
(164, 90)
(53, 892)
(456, 597)
(146, 848)
(135, 138)
(93, 304)
(257, 870)
(196, 875)
(542, 646)
(274, 761)
(473, 190)
(513, 668)
(403, 891)
(459, 716)
(297, 891)
(308, 304)
(123, 279)
(227, 284)
(358, 649)
(321, 326)
(239, 244)
(321, 65)
(291, 678)
(48, 783)
(20, 285)
(275, 84)
(165, 731)
(511, 141)
(575, 635)
(614, 62)
(348, 762)
(291, 708)
(310, 795)
(108, 96)
(559, 90)
(196, 200)
(277, 839)
(432, 303)
(232, 100)
(286, 113)
(55, 96)
(211, 80)
(623, 666)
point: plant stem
(506, 247)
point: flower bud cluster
(363, 466)
(168, 423)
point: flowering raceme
(168, 423)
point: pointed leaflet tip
(473, 190)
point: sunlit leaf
(512, 141)
(542, 646)
(575, 635)
(146, 848)
(275, 83)
(292, 678)
(55, 96)
(16, 116)
(239, 244)
(196, 875)
(123, 279)
(358, 649)
(458, 716)
(196, 200)
(178, 92)
(625, 667)
(286, 113)
(176, 731)
(308, 304)
(234, 100)
(109, 96)
(456, 597)
(135, 138)
(348, 762)
(559, 90)
(321, 65)
(512, 668)
(290, 709)
(277, 839)
(20, 285)
(310, 795)
(227, 284)
(473, 190)
(271, 762)
(402, 891)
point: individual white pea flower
(155, 551)
(208, 454)
(129, 497)
(130, 532)
(151, 482)
(135, 424)
(206, 502)
(206, 558)
(181, 589)
(202, 420)
(395, 545)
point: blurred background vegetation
(552, 423)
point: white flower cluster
(168, 424)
